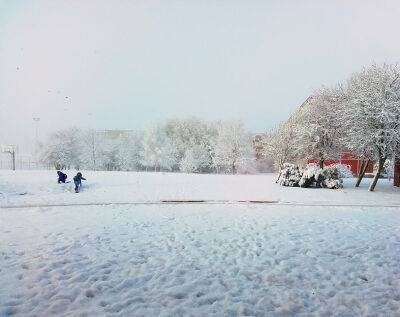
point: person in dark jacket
(78, 181)
(61, 177)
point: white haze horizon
(128, 64)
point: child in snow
(78, 181)
(61, 177)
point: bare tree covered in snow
(187, 145)
(192, 139)
(319, 130)
(130, 152)
(311, 132)
(158, 150)
(233, 147)
(280, 144)
(372, 114)
(92, 152)
(63, 149)
(111, 155)
(100, 152)
(196, 159)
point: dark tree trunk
(381, 163)
(279, 176)
(321, 163)
(361, 174)
(280, 165)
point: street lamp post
(36, 128)
(36, 146)
(11, 150)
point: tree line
(187, 145)
(360, 116)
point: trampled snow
(281, 259)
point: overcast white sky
(125, 64)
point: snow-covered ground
(295, 257)
(24, 188)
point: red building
(348, 159)
(396, 181)
(355, 166)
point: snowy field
(308, 253)
(32, 188)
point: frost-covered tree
(280, 144)
(196, 159)
(158, 150)
(111, 160)
(318, 132)
(130, 151)
(389, 168)
(233, 147)
(354, 141)
(92, 149)
(63, 149)
(372, 114)
(188, 145)
(111, 152)
(189, 136)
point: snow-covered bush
(332, 177)
(343, 169)
(312, 176)
(289, 175)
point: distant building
(346, 158)
(117, 134)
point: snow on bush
(332, 177)
(290, 175)
(312, 176)
(343, 169)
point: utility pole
(36, 129)
(36, 146)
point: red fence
(397, 173)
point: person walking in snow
(78, 181)
(61, 177)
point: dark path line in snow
(157, 202)
(206, 202)
(337, 205)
